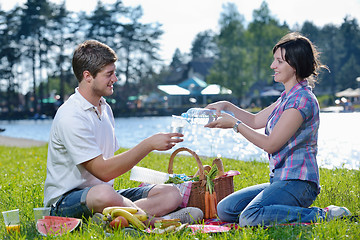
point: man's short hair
(92, 56)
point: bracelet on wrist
(236, 126)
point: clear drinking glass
(40, 212)
(12, 220)
(177, 124)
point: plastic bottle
(201, 116)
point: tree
(177, 59)
(135, 43)
(9, 55)
(231, 61)
(37, 40)
(204, 45)
(329, 47)
(350, 60)
(139, 49)
(349, 72)
(102, 23)
(36, 14)
(263, 33)
(311, 31)
(64, 30)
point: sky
(183, 20)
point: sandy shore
(20, 142)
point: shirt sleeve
(79, 140)
(301, 102)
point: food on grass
(141, 217)
(12, 228)
(134, 221)
(213, 204)
(174, 180)
(119, 222)
(210, 205)
(130, 214)
(207, 205)
(55, 226)
(167, 226)
(108, 210)
(164, 230)
(165, 223)
(210, 195)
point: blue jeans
(73, 203)
(269, 203)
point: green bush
(326, 100)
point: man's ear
(87, 76)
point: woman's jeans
(272, 203)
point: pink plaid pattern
(185, 190)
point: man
(81, 165)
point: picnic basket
(224, 185)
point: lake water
(339, 137)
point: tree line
(243, 52)
(37, 40)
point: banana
(108, 210)
(170, 228)
(130, 217)
(141, 217)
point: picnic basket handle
(198, 161)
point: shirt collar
(85, 104)
(299, 85)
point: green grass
(23, 170)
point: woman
(290, 139)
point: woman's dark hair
(91, 56)
(301, 54)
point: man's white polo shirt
(78, 134)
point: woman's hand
(225, 120)
(218, 106)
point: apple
(119, 222)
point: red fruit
(52, 225)
(119, 222)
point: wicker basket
(223, 185)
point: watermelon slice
(56, 226)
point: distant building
(198, 68)
(186, 84)
(193, 91)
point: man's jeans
(270, 203)
(73, 203)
